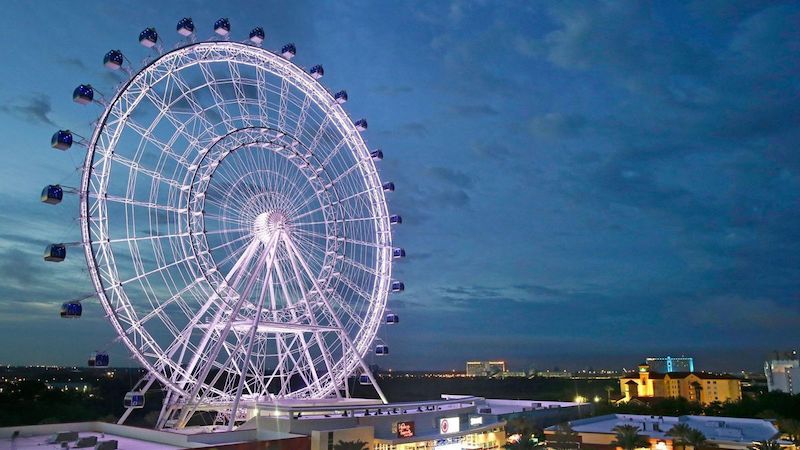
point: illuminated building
(668, 364)
(698, 387)
(782, 374)
(728, 433)
(485, 368)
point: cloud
(473, 110)
(73, 62)
(35, 108)
(452, 177)
(558, 125)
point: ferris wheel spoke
(241, 97)
(283, 106)
(312, 147)
(147, 135)
(211, 85)
(301, 118)
(188, 94)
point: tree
(765, 445)
(564, 438)
(792, 429)
(628, 438)
(698, 440)
(349, 445)
(678, 433)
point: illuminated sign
(405, 429)
(449, 425)
(448, 447)
(475, 421)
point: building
(729, 433)
(782, 375)
(668, 364)
(454, 422)
(698, 387)
(485, 368)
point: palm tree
(678, 433)
(564, 438)
(628, 438)
(349, 445)
(766, 445)
(698, 440)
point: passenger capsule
(52, 194)
(361, 125)
(83, 94)
(363, 379)
(185, 26)
(392, 319)
(289, 51)
(148, 37)
(388, 186)
(98, 359)
(376, 155)
(398, 286)
(340, 97)
(398, 253)
(382, 350)
(55, 253)
(71, 310)
(61, 140)
(317, 71)
(257, 35)
(222, 26)
(134, 399)
(113, 59)
(395, 219)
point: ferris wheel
(234, 225)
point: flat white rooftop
(39, 442)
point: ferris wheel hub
(268, 223)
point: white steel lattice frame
(299, 269)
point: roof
(679, 375)
(718, 429)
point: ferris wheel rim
(86, 214)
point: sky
(582, 183)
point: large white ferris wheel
(234, 225)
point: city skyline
(579, 182)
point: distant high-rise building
(782, 375)
(485, 368)
(667, 364)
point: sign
(449, 425)
(473, 421)
(405, 429)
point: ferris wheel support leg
(150, 379)
(346, 339)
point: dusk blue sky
(581, 183)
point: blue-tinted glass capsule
(317, 71)
(395, 219)
(289, 51)
(392, 318)
(398, 286)
(113, 59)
(376, 155)
(134, 399)
(98, 359)
(185, 26)
(257, 35)
(398, 253)
(388, 186)
(61, 140)
(222, 26)
(340, 97)
(364, 380)
(71, 310)
(361, 124)
(83, 94)
(55, 252)
(382, 350)
(52, 194)
(148, 37)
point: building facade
(485, 368)
(782, 375)
(698, 387)
(728, 433)
(666, 364)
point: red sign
(405, 429)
